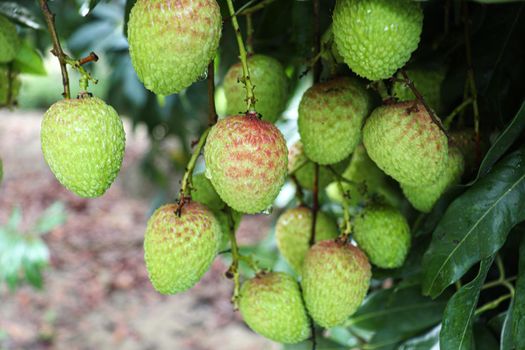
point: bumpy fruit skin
(293, 230)
(336, 277)
(271, 87)
(428, 83)
(83, 142)
(204, 193)
(404, 142)
(271, 304)
(179, 250)
(423, 198)
(172, 42)
(9, 86)
(247, 162)
(330, 118)
(9, 40)
(382, 232)
(305, 174)
(376, 37)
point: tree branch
(212, 110)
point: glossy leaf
(506, 338)
(29, 61)
(518, 310)
(476, 224)
(504, 141)
(458, 318)
(20, 14)
(426, 341)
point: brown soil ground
(97, 294)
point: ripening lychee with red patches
(246, 161)
(405, 143)
(336, 277)
(179, 250)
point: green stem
(250, 96)
(315, 204)
(245, 10)
(249, 34)
(233, 271)
(85, 77)
(493, 304)
(501, 268)
(347, 228)
(450, 118)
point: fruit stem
(246, 10)
(233, 271)
(493, 304)
(185, 190)
(347, 225)
(421, 99)
(57, 47)
(250, 96)
(85, 76)
(450, 118)
(315, 204)
(212, 110)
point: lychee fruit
(304, 169)
(246, 160)
(423, 198)
(427, 81)
(271, 304)
(9, 40)
(293, 230)
(172, 42)
(270, 86)
(376, 37)
(179, 250)
(330, 119)
(83, 142)
(382, 232)
(405, 143)
(336, 277)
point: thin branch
(92, 57)
(315, 203)
(57, 48)
(314, 336)
(421, 99)
(493, 304)
(212, 110)
(317, 41)
(347, 229)
(450, 118)
(250, 96)
(245, 10)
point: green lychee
(9, 40)
(293, 230)
(179, 250)
(172, 42)
(271, 304)
(377, 37)
(329, 51)
(9, 85)
(423, 198)
(330, 119)
(204, 193)
(336, 277)
(304, 169)
(405, 143)
(364, 177)
(246, 161)
(427, 81)
(83, 142)
(270, 84)
(382, 232)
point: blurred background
(72, 274)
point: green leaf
(518, 310)
(426, 341)
(52, 217)
(87, 6)
(476, 224)
(503, 142)
(458, 319)
(29, 60)
(507, 341)
(20, 14)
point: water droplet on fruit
(267, 211)
(203, 76)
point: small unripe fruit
(271, 304)
(204, 193)
(246, 161)
(383, 234)
(336, 277)
(179, 250)
(83, 143)
(427, 81)
(9, 40)
(330, 119)
(304, 169)
(270, 84)
(293, 230)
(172, 42)
(405, 143)
(376, 37)
(423, 198)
